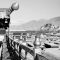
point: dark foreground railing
(17, 47)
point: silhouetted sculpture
(5, 15)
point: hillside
(35, 25)
(55, 21)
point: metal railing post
(19, 52)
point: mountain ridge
(35, 25)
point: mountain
(55, 21)
(32, 25)
(35, 25)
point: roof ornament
(14, 6)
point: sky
(32, 10)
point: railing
(17, 48)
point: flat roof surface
(53, 52)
